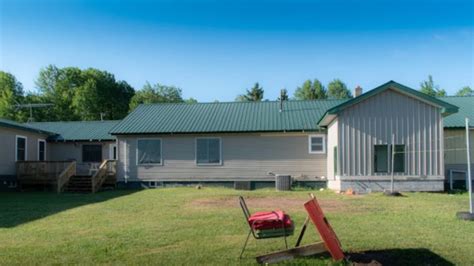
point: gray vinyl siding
(7, 150)
(416, 124)
(244, 156)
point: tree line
(93, 94)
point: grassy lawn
(190, 226)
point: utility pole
(468, 215)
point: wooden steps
(79, 184)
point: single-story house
(347, 142)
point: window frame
(16, 147)
(137, 163)
(388, 159)
(310, 143)
(101, 153)
(196, 152)
(38, 155)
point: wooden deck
(57, 174)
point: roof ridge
(242, 102)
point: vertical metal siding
(416, 124)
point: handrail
(101, 175)
(65, 175)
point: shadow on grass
(415, 256)
(21, 207)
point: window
(91, 153)
(149, 151)
(316, 144)
(399, 159)
(208, 151)
(381, 158)
(20, 151)
(41, 150)
(335, 160)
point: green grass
(190, 226)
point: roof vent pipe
(357, 91)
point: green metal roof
(167, 118)
(466, 109)
(446, 108)
(16, 125)
(78, 130)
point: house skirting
(364, 185)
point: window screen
(381, 158)
(91, 153)
(149, 151)
(41, 150)
(20, 149)
(208, 151)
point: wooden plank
(292, 253)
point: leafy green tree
(429, 87)
(311, 91)
(11, 93)
(283, 95)
(255, 94)
(101, 96)
(465, 91)
(83, 94)
(338, 90)
(156, 93)
(191, 100)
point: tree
(283, 95)
(57, 86)
(311, 91)
(255, 94)
(465, 91)
(428, 87)
(338, 90)
(156, 93)
(11, 93)
(89, 94)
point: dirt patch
(260, 203)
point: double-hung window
(20, 145)
(149, 152)
(208, 151)
(317, 144)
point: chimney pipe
(357, 91)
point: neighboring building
(19, 142)
(455, 157)
(86, 142)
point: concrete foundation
(367, 186)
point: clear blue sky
(216, 49)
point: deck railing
(106, 168)
(45, 172)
